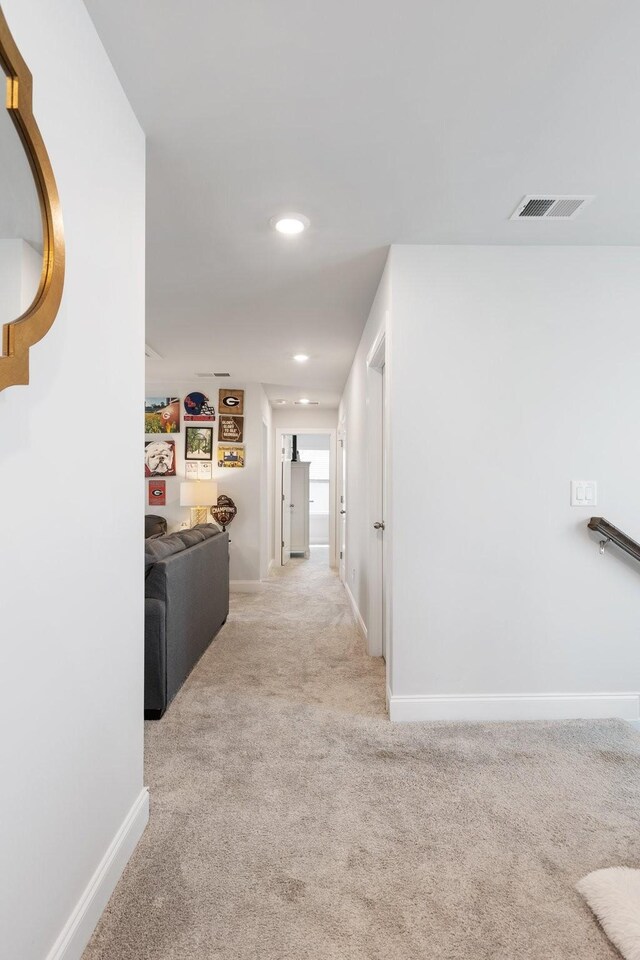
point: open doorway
(305, 495)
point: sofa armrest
(155, 658)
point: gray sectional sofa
(186, 603)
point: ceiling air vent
(205, 374)
(306, 403)
(550, 207)
(222, 374)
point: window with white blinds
(319, 460)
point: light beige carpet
(291, 821)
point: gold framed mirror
(32, 257)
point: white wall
(71, 574)
(514, 371)
(314, 441)
(251, 530)
(301, 418)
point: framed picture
(198, 443)
(159, 458)
(205, 470)
(231, 401)
(157, 493)
(162, 415)
(191, 471)
(230, 456)
(230, 429)
(198, 407)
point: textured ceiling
(410, 122)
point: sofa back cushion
(158, 548)
(208, 529)
(190, 537)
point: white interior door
(342, 505)
(383, 501)
(286, 512)
(376, 608)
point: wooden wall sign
(224, 511)
(230, 429)
(231, 401)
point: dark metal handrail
(615, 536)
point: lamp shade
(198, 493)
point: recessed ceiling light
(304, 400)
(300, 357)
(281, 401)
(290, 223)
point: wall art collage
(201, 438)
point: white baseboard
(561, 706)
(77, 931)
(356, 612)
(245, 586)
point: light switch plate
(584, 493)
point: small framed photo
(198, 444)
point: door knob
(378, 526)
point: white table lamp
(199, 495)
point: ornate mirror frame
(21, 334)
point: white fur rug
(614, 896)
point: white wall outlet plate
(584, 493)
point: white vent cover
(308, 403)
(150, 353)
(550, 207)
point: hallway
(290, 820)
